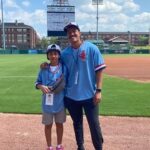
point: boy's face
(53, 56)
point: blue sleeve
(64, 61)
(65, 72)
(39, 79)
(62, 57)
(98, 60)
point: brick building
(131, 37)
(19, 36)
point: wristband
(98, 90)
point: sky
(114, 15)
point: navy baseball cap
(70, 25)
(53, 47)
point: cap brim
(71, 26)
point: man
(84, 85)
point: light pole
(149, 37)
(97, 23)
(3, 28)
(97, 3)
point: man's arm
(98, 94)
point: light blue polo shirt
(46, 77)
(82, 65)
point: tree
(53, 40)
(143, 40)
(45, 41)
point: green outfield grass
(126, 55)
(18, 95)
(125, 98)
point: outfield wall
(22, 52)
(108, 51)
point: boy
(52, 100)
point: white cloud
(88, 27)
(107, 7)
(119, 27)
(79, 2)
(87, 8)
(131, 6)
(37, 16)
(36, 19)
(104, 19)
(120, 18)
(80, 15)
(142, 18)
(117, 1)
(26, 3)
(11, 4)
(114, 15)
(48, 2)
(111, 7)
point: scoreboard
(58, 17)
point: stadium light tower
(3, 25)
(97, 3)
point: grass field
(18, 94)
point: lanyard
(76, 56)
(56, 70)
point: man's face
(73, 35)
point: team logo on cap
(83, 55)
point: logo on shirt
(83, 55)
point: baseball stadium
(124, 111)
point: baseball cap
(71, 24)
(53, 47)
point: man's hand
(44, 65)
(97, 97)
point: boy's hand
(44, 89)
(44, 65)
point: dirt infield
(134, 68)
(25, 132)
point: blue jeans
(75, 109)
